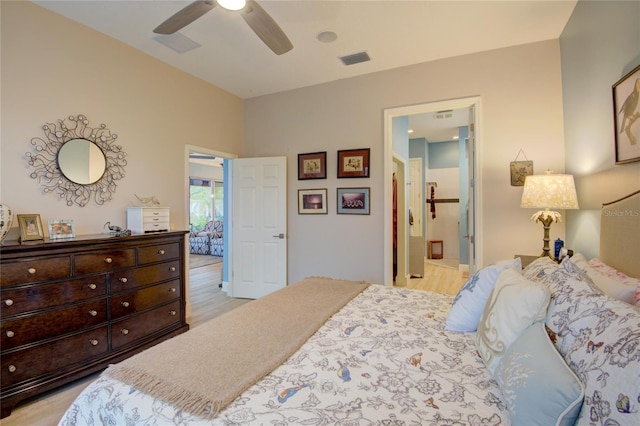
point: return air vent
(356, 58)
(443, 114)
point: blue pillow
(537, 385)
(468, 305)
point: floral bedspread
(384, 359)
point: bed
(550, 344)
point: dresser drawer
(29, 298)
(132, 278)
(49, 324)
(151, 213)
(136, 301)
(52, 357)
(35, 270)
(127, 331)
(104, 261)
(158, 253)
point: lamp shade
(549, 191)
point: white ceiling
(394, 33)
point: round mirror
(81, 161)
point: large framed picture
(626, 117)
(353, 163)
(30, 227)
(312, 165)
(353, 201)
(59, 229)
(312, 201)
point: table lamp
(549, 191)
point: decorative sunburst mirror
(76, 161)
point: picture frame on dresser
(30, 227)
(61, 229)
(626, 113)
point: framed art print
(353, 201)
(626, 117)
(30, 227)
(312, 201)
(353, 163)
(59, 229)
(312, 166)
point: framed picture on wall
(312, 165)
(353, 201)
(353, 163)
(30, 227)
(312, 201)
(626, 117)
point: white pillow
(513, 305)
(468, 304)
(610, 286)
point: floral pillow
(539, 268)
(599, 338)
(605, 355)
(615, 288)
(513, 305)
(613, 273)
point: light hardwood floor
(207, 302)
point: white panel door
(415, 195)
(259, 226)
(471, 216)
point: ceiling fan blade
(184, 17)
(266, 28)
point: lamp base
(546, 220)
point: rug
(239, 347)
(200, 260)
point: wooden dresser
(70, 308)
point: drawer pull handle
(161, 252)
(125, 304)
(31, 271)
(172, 313)
(10, 333)
(172, 289)
(124, 331)
(92, 286)
(108, 260)
(8, 302)
(93, 313)
(123, 279)
(172, 269)
(94, 342)
(12, 368)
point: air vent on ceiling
(443, 114)
(177, 42)
(355, 58)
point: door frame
(185, 179)
(429, 107)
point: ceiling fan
(254, 15)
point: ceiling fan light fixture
(232, 4)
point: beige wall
(53, 67)
(521, 100)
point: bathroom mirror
(77, 162)
(81, 161)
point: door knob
(281, 236)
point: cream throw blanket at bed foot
(208, 367)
